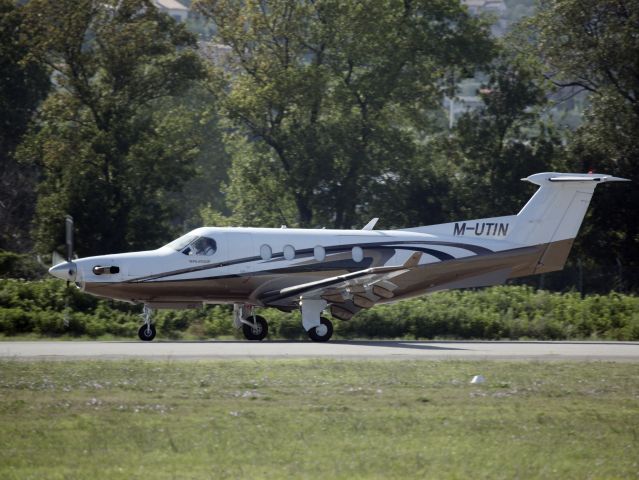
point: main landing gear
(323, 332)
(319, 329)
(147, 331)
(255, 327)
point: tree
(334, 89)
(593, 46)
(503, 141)
(114, 140)
(473, 170)
(24, 83)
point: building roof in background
(170, 5)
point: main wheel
(146, 334)
(323, 332)
(257, 331)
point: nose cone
(64, 271)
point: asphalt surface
(537, 351)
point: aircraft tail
(555, 212)
(550, 219)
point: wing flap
(341, 287)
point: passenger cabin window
(194, 245)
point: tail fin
(550, 219)
(555, 212)
(553, 215)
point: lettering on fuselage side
(482, 229)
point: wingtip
(413, 260)
(617, 179)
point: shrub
(48, 308)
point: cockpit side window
(204, 246)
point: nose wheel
(147, 331)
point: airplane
(342, 271)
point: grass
(318, 419)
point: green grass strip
(318, 419)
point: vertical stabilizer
(554, 214)
(550, 219)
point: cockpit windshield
(191, 244)
(179, 243)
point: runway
(381, 350)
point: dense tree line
(319, 113)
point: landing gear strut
(147, 331)
(254, 327)
(318, 328)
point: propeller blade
(56, 258)
(69, 237)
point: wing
(348, 293)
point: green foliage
(502, 313)
(24, 83)
(255, 188)
(114, 141)
(329, 114)
(16, 265)
(501, 142)
(592, 46)
(48, 308)
(331, 90)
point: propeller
(69, 237)
(65, 269)
(56, 258)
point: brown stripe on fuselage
(426, 278)
(465, 272)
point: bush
(48, 308)
(16, 265)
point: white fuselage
(282, 267)
(290, 255)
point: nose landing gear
(147, 331)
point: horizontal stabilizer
(540, 178)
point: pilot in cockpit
(203, 246)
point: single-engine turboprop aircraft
(343, 271)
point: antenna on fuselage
(370, 225)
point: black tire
(312, 333)
(146, 336)
(259, 332)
